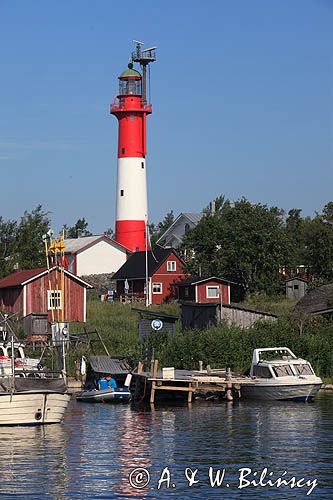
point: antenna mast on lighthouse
(143, 57)
(131, 108)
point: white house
(94, 255)
(173, 236)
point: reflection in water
(91, 454)
(32, 457)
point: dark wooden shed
(146, 319)
(202, 316)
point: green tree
(8, 241)
(295, 232)
(318, 237)
(157, 231)
(30, 248)
(328, 212)
(79, 229)
(244, 242)
(109, 232)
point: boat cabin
(21, 363)
(278, 362)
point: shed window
(53, 299)
(171, 265)
(157, 288)
(212, 292)
(295, 287)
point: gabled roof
(135, 267)
(192, 217)
(196, 280)
(298, 278)
(23, 277)
(75, 245)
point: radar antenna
(144, 58)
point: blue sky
(241, 92)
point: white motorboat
(28, 394)
(278, 374)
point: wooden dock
(206, 384)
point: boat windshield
(303, 369)
(283, 371)
(261, 371)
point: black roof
(109, 364)
(135, 266)
(199, 279)
(156, 314)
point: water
(91, 455)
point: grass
(278, 304)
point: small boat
(118, 369)
(118, 395)
(278, 374)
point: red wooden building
(165, 268)
(204, 290)
(28, 291)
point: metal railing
(117, 104)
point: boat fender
(83, 366)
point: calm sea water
(92, 453)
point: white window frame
(212, 287)
(50, 306)
(161, 288)
(171, 265)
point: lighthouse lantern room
(131, 108)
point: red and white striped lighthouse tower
(131, 108)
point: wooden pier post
(228, 394)
(153, 384)
(190, 393)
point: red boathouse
(27, 291)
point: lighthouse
(131, 109)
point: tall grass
(220, 346)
